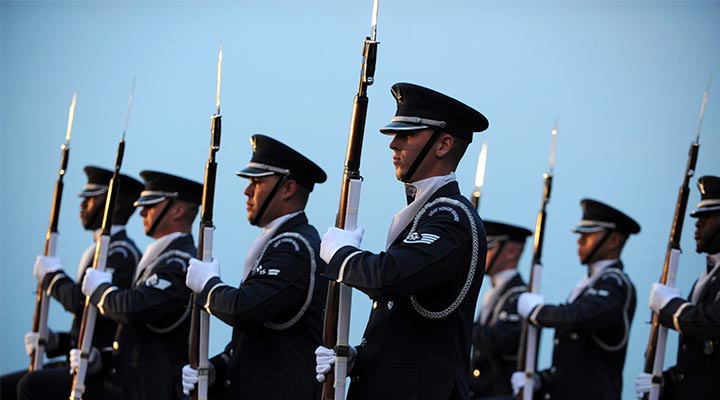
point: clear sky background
(625, 79)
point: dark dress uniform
(154, 324)
(697, 369)
(590, 339)
(416, 346)
(277, 318)
(495, 343)
(56, 382)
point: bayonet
(42, 302)
(479, 176)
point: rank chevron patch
(420, 238)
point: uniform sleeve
(277, 289)
(701, 321)
(412, 266)
(161, 295)
(503, 336)
(121, 262)
(600, 307)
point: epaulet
(125, 247)
(614, 274)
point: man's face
(707, 233)
(149, 214)
(91, 210)
(257, 191)
(587, 243)
(405, 147)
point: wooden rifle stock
(529, 336)
(42, 302)
(200, 320)
(655, 351)
(332, 388)
(87, 326)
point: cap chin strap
(266, 203)
(421, 156)
(602, 241)
(164, 211)
(488, 269)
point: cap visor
(148, 200)
(588, 229)
(251, 172)
(704, 210)
(398, 126)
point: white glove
(660, 296)
(32, 340)
(325, 359)
(94, 363)
(93, 279)
(199, 273)
(527, 303)
(336, 238)
(518, 382)
(189, 379)
(45, 265)
(643, 383)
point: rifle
(655, 352)
(529, 335)
(87, 326)
(479, 177)
(339, 296)
(200, 320)
(42, 302)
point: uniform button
(574, 336)
(681, 376)
(684, 347)
(374, 304)
(476, 373)
(556, 342)
(113, 371)
(547, 396)
(390, 305)
(363, 342)
(116, 345)
(355, 379)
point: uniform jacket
(495, 343)
(276, 315)
(585, 364)
(154, 323)
(123, 256)
(405, 355)
(698, 359)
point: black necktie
(410, 192)
(710, 264)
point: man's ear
(289, 189)
(445, 143)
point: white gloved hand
(45, 265)
(643, 383)
(32, 340)
(93, 279)
(199, 273)
(660, 296)
(527, 303)
(94, 363)
(335, 238)
(517, 380)
(189, 379)
(325, 359)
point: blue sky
(625, 79)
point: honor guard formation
(140, 319)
